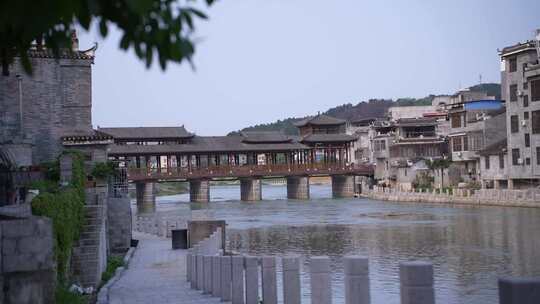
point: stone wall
(28, 271)
(89, 257)
(56, 100)
(119, 220)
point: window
(501, 161)
(535, 90)
(456, 144)
(527, 140)
(535, 123)
(512, 63)
(525, 85)
(487, 162)
(513, 92)
(456, 120)
(527, 161)
(525, 101)
(525, 115)
(514, 124)
(538, 156)
(465, 143)
(515, 157)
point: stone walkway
(156, 274)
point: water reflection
(470, 247)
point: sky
(262, 60)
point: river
(470, 247)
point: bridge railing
(247, 171)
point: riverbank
(483, 197)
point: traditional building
(520, 85)
(361, 150)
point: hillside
(375, 108)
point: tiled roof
(264, 137)
(320, 120)
(495, 148)
(324, 138)
(63, 54)
(206, 144)
(86, 137)
(140, 133)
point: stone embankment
(483, 197)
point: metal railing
(135, 174)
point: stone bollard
(416, 279)
(188, 265)
(252, 280)
(226, 277)
(269, 281)
(200, 270)
(356, 280)
(216, 276)
(207, 274)
(291, 280)
(237, 280)
(321, 288)
(519, 291)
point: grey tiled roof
(416, 122)
(264, 137)
(139, 133)
(206, 144)
(320, 120)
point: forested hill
(365, 109)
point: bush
(104, 170)
(65, 206)
(113, 263)
(64, 296)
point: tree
(439, 164)
(154, 28)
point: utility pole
(21, 116)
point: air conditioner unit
(459, 154)
(520, 93)
(409, 163)
(520, 161)
(523, 123)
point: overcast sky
(262, 60)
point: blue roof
(483, 105)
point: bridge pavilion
(154, 154)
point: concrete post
(252, 280)
(510, 184)
(226, 278)
(496, 184)
(199, 191)
(356, 280)
(146, 197)
(269, 282)
(342, 186)
(291, 280)
(250, 189)
(298, 187)
(237, 280)
(194, 268)
(519, 291)
(321, 288)
(216, 276)
(207, 274)
(416, 283)
(200, 270)
(188, 265)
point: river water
(470, 247)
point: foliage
(64, 296)
(423, 180)
(112, 263)
(65, 206)
(435, 164)
(104, 170)
(163, 28)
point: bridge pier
(342, 186)
(298, 187)
(146, 197)
(199, 191)
(250, 189)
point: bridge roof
(206, 144)
(265, 137)
(141, 133)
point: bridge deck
(137, 174)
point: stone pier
(342, 186)
(146, 197)
(298, 187)
(199, 191)
(250, 189)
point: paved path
(156, 274)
